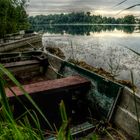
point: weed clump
(103, 73)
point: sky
(102, 7)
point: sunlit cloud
(102, 7)
(115, 13)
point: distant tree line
(13, 16)
(81, 17)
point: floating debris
(99, 71)
(128, 84)
(56, 51)
(103, 72)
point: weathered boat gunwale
(83, 70)
(19, 43)
(90, 75)
(126, 109)
(128, 120)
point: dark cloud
(58, 6)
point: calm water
(100, 46)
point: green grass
(20, 128)
(64, 131)
(11, 128)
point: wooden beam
(51, 85)
(21, 63)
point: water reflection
(103, 50)
(83, 29)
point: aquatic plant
(56, 51)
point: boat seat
(21, 63)
(51, 85)
(48, 95)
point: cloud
(59, 6)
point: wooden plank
(51, 85)
(20, 40)
(19, 43)
(21, 63)
(125, 116)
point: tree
(13, 16)
(129, 19)
(88, 14)
(22, 17)
(79, 17)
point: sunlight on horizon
(115, 33)
(115, 13)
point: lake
(104, 46)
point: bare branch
(128, 8)
(120, 3)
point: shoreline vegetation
(13, 17)
(81, 18)
(82, 23)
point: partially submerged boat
(49, 79)
(22, 43)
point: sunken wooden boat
(29, 41)
(49, 79)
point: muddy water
(106, 49)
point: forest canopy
(13, 16)
(80, 17)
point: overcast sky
(103, 7)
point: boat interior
(49, 80)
